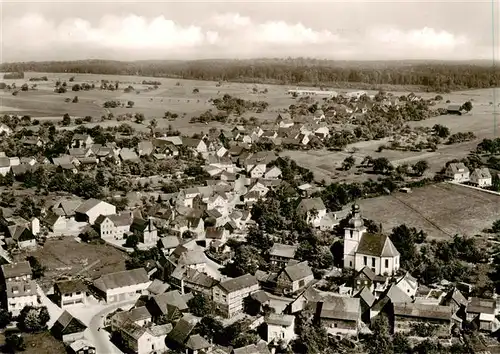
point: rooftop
(122, 279)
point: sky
(166, 30)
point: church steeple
(356, 221)
(352, 236)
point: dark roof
(183, 328)
(67, 324)
(479, 305)
(239, 283)
(378, 245)
(172, 298)
(298, 271)
(280, 320)
(367, 272)
(18, 269)
(197, 342)
(121, 279)
(454, 107)
(419, 310)
(282, 250)
(306, 205)
(70, 286)
(341, 308)
(366, 295)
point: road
(100, 338)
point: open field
(441, 210)
(39, 343)
(64, 256)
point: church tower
(352, 236)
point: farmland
(441, 210)
(64, 256)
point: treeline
(432, 76)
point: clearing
(441, 210)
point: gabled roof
(67, 324)
(298, 271)
(239, 283)
(70, 286)
(482, 172)
(127, 154)
(458, 167)
(197, 342)
(282, 250)
(341, 308)
(88, 205)
(366, 295)
(426, 311)
(280, 320)
(306, 205)
(455, 296)
(259, 348)
(172, 298)
(377, 245)
(480, 305)
(121, 279)
(183, 328)
(18, 269)
(158, 287)
(190, 142)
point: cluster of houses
(459, 173)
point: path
(54, 310)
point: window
(365, 260)
(350, 263)
(373, 261)
(387, 263)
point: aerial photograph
(250, 177)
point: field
(441, 210)
(65, 256)
(39, 343)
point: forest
(439, 76)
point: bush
(33, 319)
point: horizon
(233, 30)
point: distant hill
(437, 76)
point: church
(362, 249)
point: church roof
(377, 245)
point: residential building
(259, 348)
(82, 346)
(483, 313)
(408, 315)
(16, 271)
(366, 278)
(145, 148)
(280, 328)
(82, 141)
(90, 210)
(124, 285)
(362, 249)
(4, 166)
(138, 315)
(195, 145)
(481, 177)
(145, 340)
(57, 224)
(228, 295)
(68, 328)
(113, 226)
(145, 230)
(457, 172)
(170, 304)
(280, 254)
(313, 210)
(408, 284)
(294, 277)
(70, 292)
(340, 315)
(191, 280)
(196, 344)
(21, 293)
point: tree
(36, 267)
(33, 319)
(75, 99)
(152, 126)
(245, 338)
(441, 131)
(139, 118)
(420, 167)
(348, 163)
(90, 235)
(132, 241)
(130, 104)
(24, 87)
(5, 318)
(246, 260)
(66, 120)
(195, 90)
(14, 343)
(495, 228)
(382, 165)
(200, 305)
(467, 106)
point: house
(20, 293)
(366, 278)
(481, 177)
(145, 148)
(458, 172)
(408, 315)
(21, 236)
(70, 292)
(145, 230)
(138, 315)
(454, 109)
(57, 224)
(171, 304)
(455, 299)
(127, 154)
(81, 141)
(124, 285)
(259, 348)
(192, 280)
(313, 210)
(340, 315)
(363, 249)
(408, 285)
(5, 130)
(32, 141)
(483, 313)
(281, 254)
(90, 210)
(182, 329)
(258, 170)
(16, 271)
(145, 340)
(195, 145)
(4, 166)
(280, 328)
(367, 299)
(158, 287)
(68, 328)
(272, 173)
(81, 346)
(229, 294)
(294, 278)
(196, 344)
(113, 226)
(169, 244)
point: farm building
(454, 109)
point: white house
(113, 226)
(458, 172)
(272, 173)
(91, 209)
(125, 285)
(313, 209)
(258, 171)
(4, 129)
(70, 292)
(20, 294)
(195, 145)
(280, 328)
(408, 285)
(228, 295)
(363, 249)
(481, 177)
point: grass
(39, 343)
(65, 256)
(441, 210)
